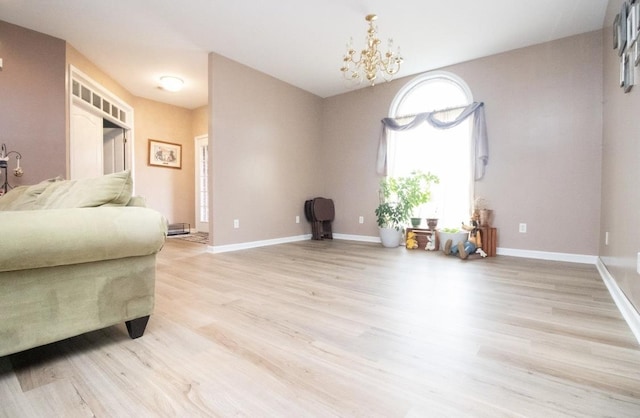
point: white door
(114, 154)
(85, 146)
(202, 183)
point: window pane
(444, 152)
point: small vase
(485, 217)
(415, 222)
(432, 223)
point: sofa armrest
(55, 237)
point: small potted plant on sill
(399, 196)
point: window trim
(422, 78)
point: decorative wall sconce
(4, 164)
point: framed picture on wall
(622, 33)
(165, 154)
(628, 73)
(632, 25)
(616, 32)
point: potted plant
(399, 196)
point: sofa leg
(136, 327)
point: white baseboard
(544, 255)
(360, 238)
(628, 311)
(254, 244)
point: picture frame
(621, 83)
(622, 33)
(616, 32)
(628, 72)
(165, 154)
(632, 26)
(630, 30)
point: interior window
(444, 152)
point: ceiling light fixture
(371, 61)
(171, 83)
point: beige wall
(621, 171)
(33, 117)
(200, 121)
(265, 144)
(275, 146)
(32, 102)
(170, 191)
(75, 58)
(544, 121)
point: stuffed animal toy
(472, 245)
(431, 243)
(412, 242)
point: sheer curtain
(446, 145)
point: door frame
(200, 226)
(93, 97)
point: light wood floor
(322, 328)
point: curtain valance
(479, 134)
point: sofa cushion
(109, 190)
(24, 197)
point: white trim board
(544, 255)
(629, 313)
(215, 249)
(360, 238)
(541, 255)
(254, 244)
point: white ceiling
(299, 42)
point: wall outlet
(606, 238)
(361, 220)
(523, 228)
(297, 219)
(236, 223)
(638, 263)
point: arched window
(447, 153)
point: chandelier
(371, 61)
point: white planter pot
(455, 237)
(390, 237)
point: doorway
(100, 129)
(114, 147)
(202, 183)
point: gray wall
(544, 119)
(621, 171)
(32, 102)
(265, 145)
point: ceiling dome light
(170, 83)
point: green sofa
(75, 256)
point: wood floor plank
(338, 328)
